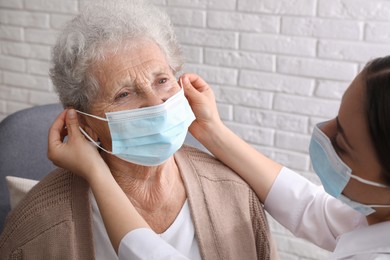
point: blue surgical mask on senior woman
(334, 173)
(148, 136)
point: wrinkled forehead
(133, 61)
(130, 52)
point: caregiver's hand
(202, 101)
(76, 154)
(256, 169)
(79, 156)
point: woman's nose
(154, 96)
(151, 99)
(329, 128)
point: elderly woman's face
(134, 77)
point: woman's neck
(157, 192)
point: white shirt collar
(181, 234)
(371, 240)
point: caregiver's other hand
(202, 101)
(76, 154)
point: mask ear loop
(97, 117)
(369, 182)
(181, 83)
(87, 136)
(92, 141)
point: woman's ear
(85, 126)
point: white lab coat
(316, 216)
(311, 214)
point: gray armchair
(23, 148)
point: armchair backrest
(23, 146)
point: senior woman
(115, 64)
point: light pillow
(18, 188)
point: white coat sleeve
(143, 243)
(308, 211)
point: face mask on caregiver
(148, 136)
(334, 173)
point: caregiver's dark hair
(377, 79)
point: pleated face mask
(334, 173)
(148, 136)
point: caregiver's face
(133, 77)
(351, 139)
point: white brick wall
(277, 66)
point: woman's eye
(163, 81)
(122, 95)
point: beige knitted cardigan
(54, 220)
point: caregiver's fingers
(196, 81)
(57, 129)
(72, 124)
(189, 90)
(56, 137)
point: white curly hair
(102, 27)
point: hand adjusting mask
(148, 136)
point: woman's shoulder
(55, 183)
(50, 202)
(58, 185)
